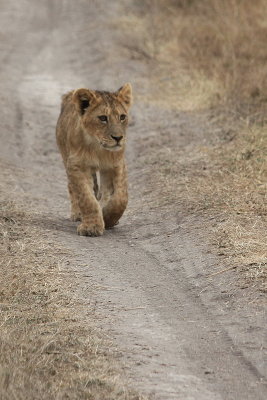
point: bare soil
(180, 326)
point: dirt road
(181, 336)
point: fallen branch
(223, 270)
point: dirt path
(180, 335)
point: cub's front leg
(115, 183)
(82, 184)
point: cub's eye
(103, 118)
(122, 117)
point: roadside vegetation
(50, 347)
(209, 58)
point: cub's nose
(117, 138)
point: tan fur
(89, 144)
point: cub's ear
(83, 98)
(125, 94)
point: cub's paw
(90, 229)
(110, 224)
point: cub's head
(104, 115)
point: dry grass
(209, 57)
(239, 178)
(49, 347)
(225, 40)
(201, 53)
(224, 183)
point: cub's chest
(98, 160)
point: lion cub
(91, 135)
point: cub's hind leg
(96, 188)
(75, 214)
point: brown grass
(202, 53)
(209, 57)
(225, 39)
(224, 183)
(49, 346)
